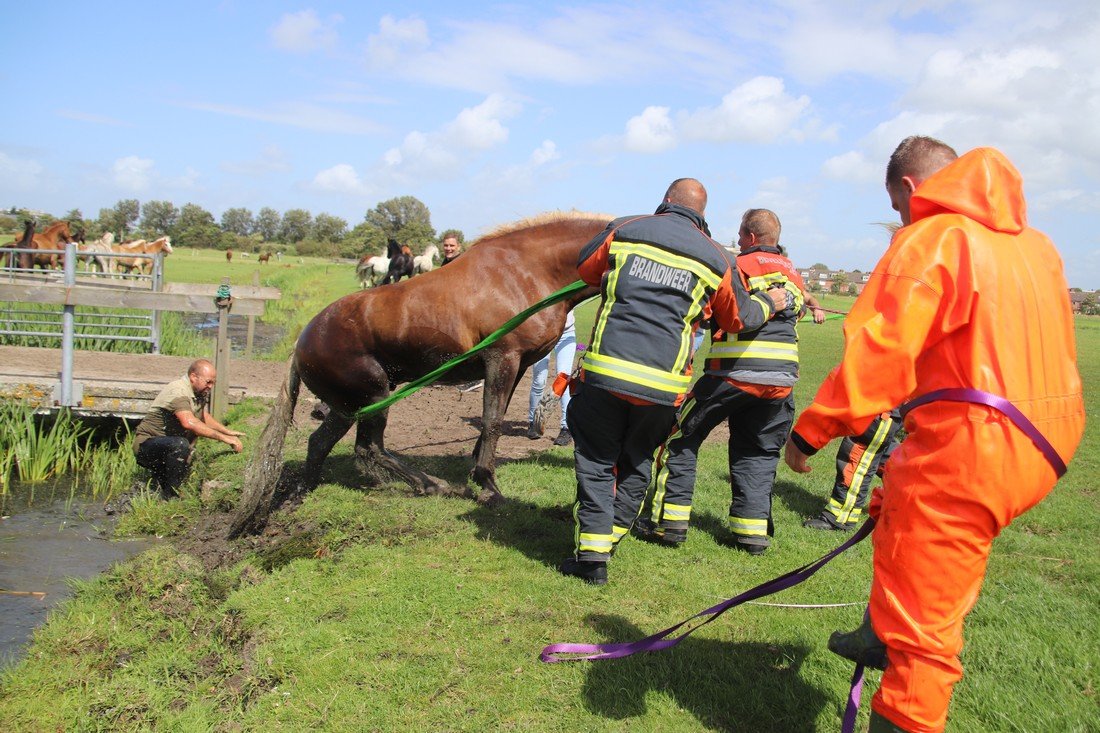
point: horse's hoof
(490, 498)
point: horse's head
(392, 248)
(166, 243)
(61, 231)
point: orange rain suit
(966, 296)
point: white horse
(425, 262)
(92, 253)
(371, 270)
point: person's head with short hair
(915, 160)
(759, 228)
(202, 376)
(451, 247)
(689, 193)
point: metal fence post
(67, 329)
(158, 286)
(220, 401)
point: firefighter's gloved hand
(788, 298)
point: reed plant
(35, 449)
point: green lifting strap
(489, 340)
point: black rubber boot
(645, 529)
(594, 573)
(825, 522)
(860, 646)
(880, 724)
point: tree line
(405, 218)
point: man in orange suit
(966, 318)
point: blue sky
(493, 112)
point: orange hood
(982, 185)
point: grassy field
(387, 612)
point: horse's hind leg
(501, 378)
(321, 442)
(374, 461)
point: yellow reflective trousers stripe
(752, 527)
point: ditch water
(264, 335)
(49, 533)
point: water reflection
(49, 533)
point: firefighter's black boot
(880, 724)
(861, 646)
(594, 573)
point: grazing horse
(264, 258)
(370, 270)
(425, 262)
(143, 265)
(228, 256)
(93, 253)
(401, 262)
(22, 260)
(358, 349)
(53, 237)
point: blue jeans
(563, 352)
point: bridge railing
(69, 293)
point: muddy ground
(438, 420)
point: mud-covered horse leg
(321, 443)
(374, 461)
(501, 378)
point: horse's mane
(549, 217)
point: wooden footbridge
(123, 385)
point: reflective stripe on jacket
(768, 355)
(659, 275)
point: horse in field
(142, 265)
(425, 262)
(93, 253)
(22, 260)
(358, 349)
(53, 237)
(228, 256)
(264, 258)
(370, 270)
(401, 262)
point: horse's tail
(261, 477)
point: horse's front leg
(501, 371)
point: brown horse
(22, 260)
(228, 256)
(264, 258)
(53, 237)
(142, 265)
(358, 349)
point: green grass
(382, 611)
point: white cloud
(545, 153)
(303, 32)
(758, 111)
(396, 39)
(650, 132)
(342, 179)
(442, 153)
(575, 46)
(132, 173)
(853, 166)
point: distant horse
(425, 262)
(401, 262)
(359, 348)
(53, 237)
(264, 258)
(371, 269)
(22, 260)
(142, 265)
(93, 253)
(228, 256)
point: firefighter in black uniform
(659, 275)
(859, 459)
(748, 382)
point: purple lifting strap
(658, 641)
(1000, 404)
